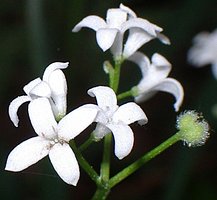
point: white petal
(172, 86)
(128, 10)
(124, 139)
(137, 37)
(154, 74)
(42, 89)
(105, 37)
(141, 60)
(105, 96)
(159, 60)
(27, 153)
(92, 21)
(42, 118)
(115, 18)
(76, 121)
(65, 163)
(144, 24)
(27, 88)
(163, 38)
(100, 131)
(14, 106)
(51, 68)
(116, 48)
(130, 113)
(58, 86)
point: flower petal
(124, 139)
(154, 74)
(172, 86)
(51, 68)
(100, 131)
(115, 18)
(42, 89)
(143, 24)
(58, 86)
(131, 13)
(92, 21)
(28, 87)
(137, 37)
(163, 38)
(27, 153)
(141, 60)
(105, 37)
(76, 121)
(42, 118)
(14, 106)
(105, 96)
(130, 113)
(65, 163)
(159, 60)
(117, 46)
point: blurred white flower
(154, 78)
(204, 51)
(110, 33)
(115, 119)
(52, 139)
(53, 86)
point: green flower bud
(193, 129)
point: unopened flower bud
(193, 129)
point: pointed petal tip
(14, 106)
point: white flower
(53, 86)
(115, 119)
(154, 78)
(52, 139)
(204, 51)
(110, 33)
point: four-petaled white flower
(204, 51)
(52, 139)
(110, 33)
(154, 78)
(53, 86)
(115, 119)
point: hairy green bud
(193, 128)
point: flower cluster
(204, 51)
(47, 96)
(110, 33)
(54, 135)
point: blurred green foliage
(35, 33)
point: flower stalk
(143, 160)
(84, 164)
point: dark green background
(35, 33)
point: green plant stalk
(101, 193)
(105, 166)
(125, 95)
(87, 143)
(114, 84)
(102, 189)
(144, 159)
(84, 164)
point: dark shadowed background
(35, 33)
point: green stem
(87, 143)
(101, 193)
(144, 159)
(84, 164)
(105, 166)
(116, 75)
(125, 95)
